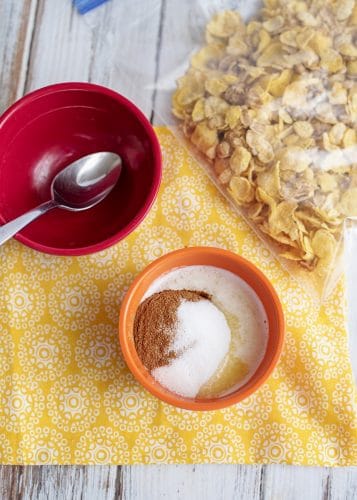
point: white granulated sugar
(233, 296)
(202, 341)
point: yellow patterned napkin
(66, 395)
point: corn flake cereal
(273, 105)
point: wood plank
(343, 483)
(192, 482)
(108, 50)
(17, 20)
(295, 483)
(250, 482)
(61, 48)
(60, 482)
(216, 482)
(10, 481)
(126, 50)
(310, 483)
(26, 53)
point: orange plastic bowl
(210, 257)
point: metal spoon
(81, 185)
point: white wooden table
(45, 41)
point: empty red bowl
(53, 126)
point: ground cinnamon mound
(155, 325)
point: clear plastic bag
(265, 97)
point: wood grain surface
(46, 41)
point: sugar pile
(201, 341)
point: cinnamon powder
(155, 324)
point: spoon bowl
(87, 181)
(80, 186)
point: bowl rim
(152, 192)
(138, 369)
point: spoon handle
(11, 228)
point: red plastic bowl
(53, 126)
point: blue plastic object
(84, 6)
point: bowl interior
(54, 126)
(212, 257)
